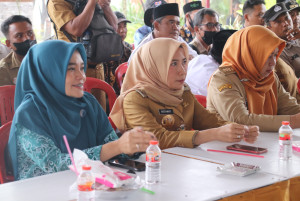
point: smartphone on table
(246, 148)
(127, 164)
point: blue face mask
(23, 47)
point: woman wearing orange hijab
(155, 97)
(245, 89)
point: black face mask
(23, 47)
(208, 36)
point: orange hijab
(148, 71)
(246, 51)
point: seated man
(206, 25)
(165, 25)
(253, 12)
(245, 89)
(19, 38)
(203, 66)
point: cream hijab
(148, 71)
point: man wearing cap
(294, 9)
(110, 67)
(165, 24)
(206, 25)
(279, 21)
(253, 12)
(142, 32)
(189, 9)
(203, 66)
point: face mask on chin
(23, 47)
(208, 36)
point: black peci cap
(194, 5)
(149, 6)
(166, 9)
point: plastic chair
(201, 99)
(7, 96)
(4, 135)
(93, 83)
(298, 86)
(120, 71)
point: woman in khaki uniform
(155, 97)
(245, 89)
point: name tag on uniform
(166, 111)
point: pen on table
(147, 190)
(231, 152)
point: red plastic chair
(201, 99)
(7, 96)
(93, 83)
(120, 72)
(4, 135)
(298, 86)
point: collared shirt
(151, 37)
(291, 56)
(4, 51)
(9, 67)
(186, 34)
(200, 70)
(201, 49)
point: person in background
(279, 21)
(245, 88)
(235, 18)
(253, 12)
(143, 31)
(110, 67)
(206, 25)
(165, 25)
(19, 38)
(4, 51)
(201, 68)
(69, 26)
(294, 9)
(49, 103)
(187, 30)
(155, 97)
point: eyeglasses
(211, 25)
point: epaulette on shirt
(227, 70)
(142, 93)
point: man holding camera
(71, 19)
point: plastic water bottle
(85, 184)
(153, 169)
(285, 141)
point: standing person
(19, 38)
(155, 97)
(245, 89)
(187, 30)
(110, 67)
(165, 25)
(70, 27)
(235, 18)
(143, 31)
(253, 12)
(49, 103)
(206, 25)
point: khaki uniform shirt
(171, 125)
(61, 12)
(227, 97)
(287, 78)
(9, 67)
(201, 49)
(291, 56)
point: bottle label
(153, 157)
(88, 186)
(284, 136)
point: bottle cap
(86, 167)
(286, 123)
(153, 142)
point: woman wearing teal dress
(49, 103)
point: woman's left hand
(251, 134)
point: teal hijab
(42, 106)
